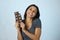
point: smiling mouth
(30, 14)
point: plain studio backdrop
(49, 11)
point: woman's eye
(33, 11)
(30, 8)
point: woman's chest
(28, 25)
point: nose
(31, 11)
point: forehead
(33, 7)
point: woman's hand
(22, 25)
(17, 26)
(18, 30)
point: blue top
(35, 24)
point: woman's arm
(19, 36)
(33, 36)
(18, 31)
(37, 33)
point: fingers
(17, 25)
(22, 25)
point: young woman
(31, 25)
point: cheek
(34, 14)
(27, 11)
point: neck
(28, 19)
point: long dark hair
(37, 14)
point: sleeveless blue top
(35, 24)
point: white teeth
(30, 13)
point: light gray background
(49, 10)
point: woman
(31, 25)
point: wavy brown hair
(37, 14)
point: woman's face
(31, 12)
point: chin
(31, 17)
